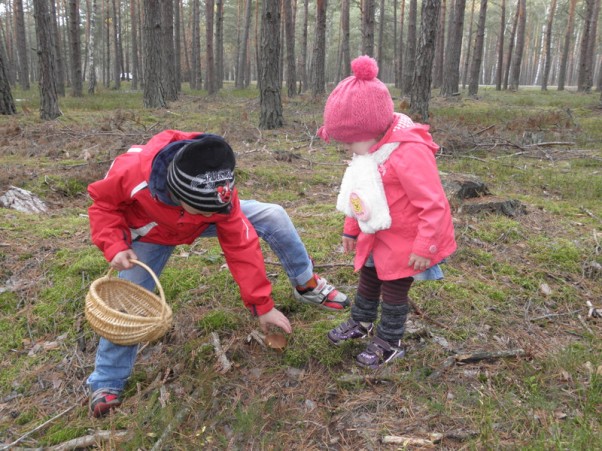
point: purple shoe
(378, 353)
(349, 330)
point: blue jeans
(114, 363)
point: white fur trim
(363, 180)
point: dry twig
(41, 426)
(91, 440)
(223, 362)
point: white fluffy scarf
(362, 195)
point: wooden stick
(553, 315)
(486, 355)
(553, 143)
(90, 440)
(174, 423)
(41, 426)
(224, 363)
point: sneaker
(103, 400)
(349, 330)
(323, 295)
(378, 353)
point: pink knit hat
(360, 107)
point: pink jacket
(421, 221)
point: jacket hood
(403, 130)
(157, 178)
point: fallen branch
(355, 378)
(553, 315)
(159, 444)
(91, 440)
(552, 143)
(223, 362)
(258, 337)
(406, 440)
(41, 426)
(474, 357)
(485, 355)
(582, 321)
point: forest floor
(505, 352)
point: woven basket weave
(126, 313)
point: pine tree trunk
(500, 48)
(453, 49)
(7, 103)
(477, 59)
(421, 92)
(21, 45)
(75, 42)
(520, 46)
(195, 48)
(116, 59)
(439, 48)
(345, 60)
(304, 85)
(58, 65)
(467, 59)
(291, 72)
(269, 67)
(153, 89)
(168, 58)
(410, 54)
(135, 59)
(178, 48)
(49, 105)
(92, 49)
(219, 44)
(210, 84)
(244, 46)
(562, 70)
(367, 7)
(548, 47)
(319, 55)
(511, 47)
(381, 34)
(400, 63)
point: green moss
(218, 320)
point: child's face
(360, 147)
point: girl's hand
(349, 244)
(122, 261)
(419, 263)
(275, 318)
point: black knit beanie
(202, 174)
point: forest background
(305, 45)
(504, 353)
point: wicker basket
(125, 313)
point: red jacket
(421, 221)
(132, 201)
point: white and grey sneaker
(323, 295)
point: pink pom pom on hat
(360, 107)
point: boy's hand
(276, 318)
(419, 263)
(349, 244)
(122, 261)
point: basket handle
(155, 278)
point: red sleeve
(108, 226)
(240, 244)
